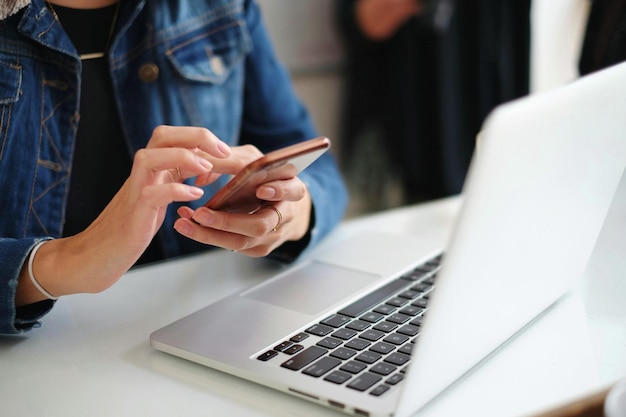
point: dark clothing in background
(425, 93)
(605, 37)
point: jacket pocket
(10, 85)
(10, 82)
(211, 54)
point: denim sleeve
(275, 117)
(13, 254)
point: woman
(116, 120)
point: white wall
(321, 93)
(306, 41)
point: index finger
(190, 137)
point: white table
(92, 356)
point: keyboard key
(385, 309)
(344, 334)
(362, 305)
(417, 321)
(304, 358)
(421, 287)
(409, 294)
(292, 350)
(299, 337)
(329, 342)
(420, 302)
(267, 355)
(358, 325)
(385, 326)
(411, 310)
(396, 338)
(319, 330)
(368, 357)
(379, 390)
(397, 301)
(284, 345)
(321, 367)
(372, 317)
(394, 379)
(357, 344)
(430, 280)
(383, 368)
(343, 353)
(338, 377)
(397, 358)
(336, 320)
(398, 318)
(382, 347)
(372, 335)
(409, 330)
(353, 367)
(406, 348)
(364, 381)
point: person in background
(421, 76)
(604, 43)
(118, 121)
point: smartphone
(239, 194)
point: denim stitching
(203, 35)
(4, 130)
(122, 60)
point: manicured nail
(266, 193)
(223, 148)
(205, 164)
(196, 192)
(183, 228)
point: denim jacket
(190, 62)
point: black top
(102, 158)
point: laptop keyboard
(366, 345)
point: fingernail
(183, 228)
(223, 148)
(196, 192)
(205, 164)
(266, 193)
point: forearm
(54, 268)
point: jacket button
(148, 73)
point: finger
(189, 137)
(247, 245)
(180, 163)
(291, 190)
(252, 225)
(210, 236)
(240, 157)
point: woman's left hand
(284, 217)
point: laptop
(381, 324)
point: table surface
(92, 355)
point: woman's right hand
(96, 258)
(380, 19)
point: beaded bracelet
(31, 258)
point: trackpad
(311, 288)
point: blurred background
(403, 108)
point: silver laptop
(378, 325)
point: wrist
(28, 289)
(31, 274)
